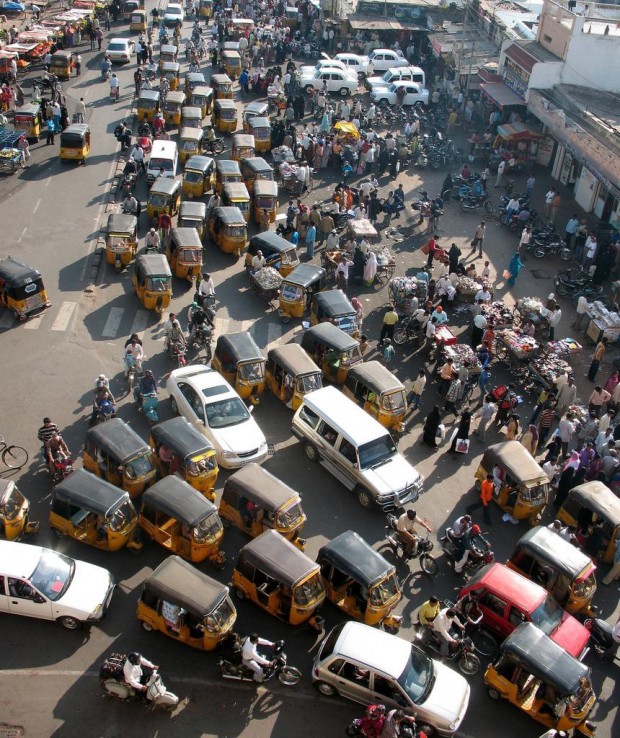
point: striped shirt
(46, 431)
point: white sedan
(387, 96)
(355, 62)
(345, 83)
(173, 13)
(322, 65)
(120, 50)
(206, 399)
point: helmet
(475, 529)
(412, 514)
(134, 658)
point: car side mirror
(39, 599)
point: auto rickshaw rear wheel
(57, 533)
(325, 689)
(477, 485)
(147, 626)
(239, 594)
(493, 693)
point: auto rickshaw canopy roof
(191, 111)
(180, 436)
(545, 659)
(243, 140)
(76, 131)
(199, 163)
(231, 54)
(117, 439)
(230, 216)
(362, 228)
(153, 265)
(17, 274)
(276, 557)
(178, 582)
(255, 109)
(261, 487)
(165, 186)
(170, 66)
(175, 96)
(266, 188)
(517, 461)
(376, 377)
(149, 94)
(597, 497)
(202, 90)
(547, 545)
(228, 166)
(269, 242)
(257, 164)
(178, 499)
(61, 55)
(186, 237)
(348, 128)
(329, 335)
(259, 121)
(89, 492)
(221, 79)
(293, 359)
(305, 275)
(235, 191)
(351, 555)
(32, 109)
(334, 302)
(193, 210)
(191, 134)
(240, 346)
(195, 77)
(120, 224)
(168, 49)
(225, 104)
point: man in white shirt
(406, 527)
(258, 261)
(512, 207)
(554, 320)
(366, 188)
(590, 248)
(251, 657)
(582, 312)
(566, 431)
(152, 241)
(134, 674)
(442, 625)
(483, 294)
(206, 287)
(551, 469)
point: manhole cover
(11, 731)
(540, 274)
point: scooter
(177, 351)
(474, 202)
(399, 547)
(287, 675)
(462, 653)
(148, 405)
(114, 685)
(105, 411)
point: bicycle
(14, 457)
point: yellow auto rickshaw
(291, 374)
(291, 14)
(278, 253)
(594, 509)
(168, 53)
(206, 8)
(138, 21)
(298, 289)
(181, 520)
(241, 27)
(193, 214)
(254, 109)
(28, 119)
(231, 61)
(243, 147)
(94, 512)
(190, 143)
(333, 306)
(239, 360)
(164, 197)
(542, 679)
(332, 349)
(521, 486)
(187, 453)
(228, 230)
(14, 510)
(281, 579)
(260, 128)
(61, 64)
(75, 142)
(265, 198)
(121, 239)
(226, 171)
(21, 289)
(225, 116)
(382, 395)
(203, 98)
(199, 176)
(172, 108)
(193, 80)
(148, 104)
(254, 501)
(152, 281)
(116, 453)
(222, 85)
(172, 72)
(255, 169)
(237, 195)
(184, 253)
(191, 117)
(129, 6)
(187, 605)
(359, 581)
(561, 568)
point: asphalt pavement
(51, 215)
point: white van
(40, 583)
(356, 449)
(163, 154)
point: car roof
(509, 584)
(120, 41)
(380, 650)
(202, 379)
(18, 559)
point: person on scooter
(106, 65)
(56, 448)
(459, 528)
(134, 353)
(146, 386)
(393, 720)
(123, 135)
(144, 129)
(152, 241)
(102, 394)
(130, 204)
(114, 86)
(442, 625)
(130, 168)
(252, 658)
(467, 543)
(134, 337)
(137, 671)
(406, 526)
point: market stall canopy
(347, 127)
(501, 94)
(517, 131)
(362, 23)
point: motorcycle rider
(102, 394)
(152, 242)
(46, 432)
(130, 167)
(175, 337)
(459, 528)
(106, 66)
(130, 204)
(252, 658)
(406, 526)
(134, 353)
(393, 720)
(56, 448)
(134, 337)
(197, 318)
(465, 545)
(146, 386)
(445, 619)
(144, 129)
(114, 86)
(137, 670)
(123, 135)
(206, 288)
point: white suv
(387, 96)
(384, 59)
(397, 74)
(337, 81)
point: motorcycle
(399, 547)
(462, 653)
(553, 247)
(176, 352)
(601, 639)
(216, 146)
(473, 202)
(361, 727)
(478, 556)
(105, 411)
(202, 340)
(113, 684)
(408, 329)
(63, 466)
(132, 370)
(129, 181)
(575, 281)
(287, 675)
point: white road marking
(47, 181)
(36, 207)
(110, 329)
(7, 320)
(33, 323)
(140, 322)
(23, 233)
(64, 316)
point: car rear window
(117, 47)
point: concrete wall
(554, 35)
(545, 76)
(591, 60)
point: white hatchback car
(206, 399)
(173, 13)
(40, 583)
(387, 96)
(120, 50)
(343, 82)
(371, 666)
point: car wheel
(344, 92)
(309, 89)
(69, 623)
(364, 498)
(325, 689)
(311, 452)
(147, 626)
(173, 405)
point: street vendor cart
(516, 141)
(403, 290)
(266, 284)
(532, 309)
(512, 346)
(546, 369)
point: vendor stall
(461, 355)
(604, 323)
(403, 290)
(563, 347)
(532, 309)
(514, 346)
(266, 284)
(467, 288)
(499, 314)
(517, 141)
(546, 369)
(10, 160)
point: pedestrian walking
(310, 240)
(51, 130)
(555, 205)
(554, 320)
(80, 113)
(462, 431)
(499, 180)
(390, 318)
(597, 357)
(545, 421)
(524, 241)
(514, 267)
(388, 354)
(478, 239)
(590, 248)
(77, 64)
(417, 388)
(529, 186)
(486, 495)
(567, 395)
(548, 202)
(453, 393)
(581, 235)
(486, 413)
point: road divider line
(23, 233)
(110, 329)
(64, 316)
(36, 207)
(140, 322)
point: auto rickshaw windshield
(187, 255)
(548, 615)
(157, 284)
(377, 452)
(139, 465)
(195, 467)
(207, 529)
(192, 176)
(53, 574)
(252, 371)
(309, 383)
(417, 677)
(288, 517)
(585, 587)
(291, 292)
(235, 230)
(308, 591)
(158, 199)
(13, 505)
(393, 401)
(535, 494)
(219, 616)
(225, 413)
(123, 516)
(385, 591)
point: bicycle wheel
(15, 457)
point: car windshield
(225, 413)
(387, 76)
(53, 574)
(416, 679)
(392, 87)
(548, 615)
(377, 452)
